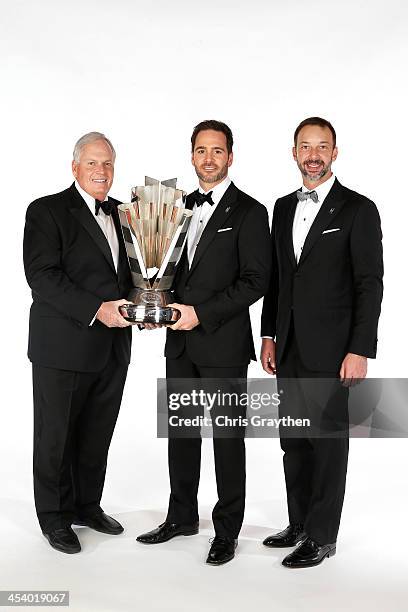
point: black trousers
(74, 417)
(229, 458)
(316, 466)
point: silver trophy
(154, 227)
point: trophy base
(150, 306)
(149, 314)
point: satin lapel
(184, 259)
(328, 211)
(118, 227)
(225, 207)
(190, 201)
(81, 212)
(288, 228)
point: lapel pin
(227, 209)
(331, 211)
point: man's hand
(353, 369)
(151, 325)
(109, 314)
(268, 356)
(188, 319)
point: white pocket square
(335, 229)
(225, 229)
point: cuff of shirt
(270, 337)
(93, 320)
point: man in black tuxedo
(225, 269)
(322, 309)
(79, 343)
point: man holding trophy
(79, 343)
(224, 268)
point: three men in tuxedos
(225, 268)
(319, 322)
(79, 343)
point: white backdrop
(145, 74)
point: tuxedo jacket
(69, 267)
(334, 293)
(229, 272)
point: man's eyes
(202, 151)
(306, 147)
(93, 163)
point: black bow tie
(106, 206)
(200, 198)
(304, 195)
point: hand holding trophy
(154, 227)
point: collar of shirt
(218, 191)
(201, 216)
(323, 189)
(89, 200)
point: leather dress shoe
(222, 550)
(308, 554)
(286, 538)
(101, 522)
(65, 540)
(166, 531)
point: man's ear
(74, 168)
(335, 153)
(230, 159)
(294, 153)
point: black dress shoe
(286, 538)
(222, 550)
(166, 531)
(101, 522)
(308, 554)
(65, 540)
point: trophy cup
(154, 227)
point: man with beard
(225, 269)
(322, 308)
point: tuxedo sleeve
(44, 271)
(254, 270)
(367, 264)
(270, 303)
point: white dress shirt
(105, 222)
(305, 214)
(201, 216)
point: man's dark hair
(315, 121)
(218, 126)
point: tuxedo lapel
(288, 228)
(83, 215)
(118, 227)
(223, 210)
(328, 211)
(190, 201)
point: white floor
(369, 572)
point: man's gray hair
(87, 139)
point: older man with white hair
(79, 344)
